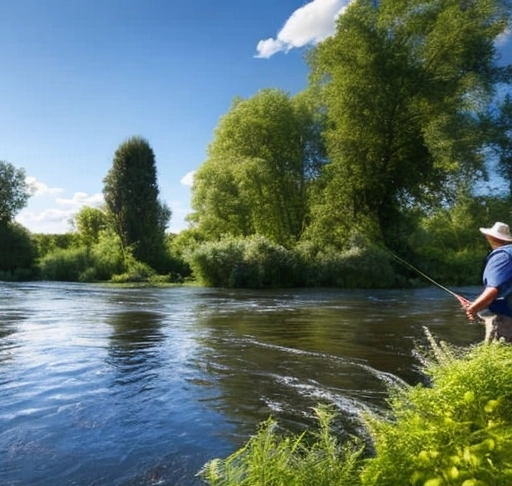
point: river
(102, 385)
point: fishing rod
(463, 301)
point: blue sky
(78, 77)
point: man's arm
(482, 301)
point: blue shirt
(498, 273)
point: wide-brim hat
(500, 231)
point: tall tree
(14, 192)
(131, 195)
(256, 174)
(405, 84)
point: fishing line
(461, 299)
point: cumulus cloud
(81, 199)
(309, 24)
(38, 188)
(49, 212)
(188, 178)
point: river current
(102, 385)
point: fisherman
(496, 298)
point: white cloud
(46, 212)
(309, 24)
(38, 188)
(81, 199)
(179, 215)
(188, 178)
(49, 220)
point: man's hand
(481, 302)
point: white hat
(500, 231)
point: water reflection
(134, 348)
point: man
(497, 280)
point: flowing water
(102, 385)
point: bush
(106, 257)
(271, 459)
(65, 264)
(252, 262)
(214, 263)
(358, 267)
(135, 271)
(458, 431)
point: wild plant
(456, 431)
(271, 458)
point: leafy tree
(256, 176)
(131, 195)
(90, 222)
(405, 85)
(47, 243)
(13, 191)
(17, 250)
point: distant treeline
(396, 143)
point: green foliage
(84, 264)
(271, 459)
(13, 191)
(131, 195)
(242, 262)
(67, 265)
(90, 222)
(255, 179)
(256, 262)
(447, 244)
(358, 267)
(213, 263)
(133, 270)
(17, 252)
(47, 243)
(406, 86)
(106, 257)
(458, 431)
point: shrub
(252, 262)
(357, 267)
(273, 459)
(214, 263)
(458, 431)
(107, 257)
(65, 264)
(135, 271)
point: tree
(405, 84)
(256, 176)
(131, 196)
(17, 250)
(13, 192)
(90, 222)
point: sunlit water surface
(141, 386)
